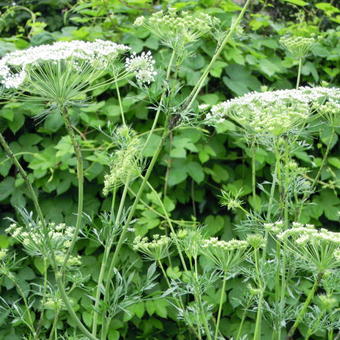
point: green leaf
(138, 309)
(6, 187)
(214, 224)
(161, 307)
(195, 171)
(297, 2)
(152, 145)
(178, 172)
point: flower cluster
(231, 245)
(316, 248)
(126, 162)
(226, 255)
(298, 46)
(178, 29)
(14, 67)
(273, 112)
(274, 228)
(305, 233)
(142, 66)
(155, 249)
(40, 241)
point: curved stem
(80, 175)
(305, 305)
(69, 307)
(23, 173)
(220, 307)
(195, 91)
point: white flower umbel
(142, 66)
(226, 255)
(100, 54)
(274, 113)
(317, 248)
(177, 29)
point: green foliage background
(201, 162)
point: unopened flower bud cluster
(14, 67)
(126, 162)
(175, 28)
(303, 234)
(156, 248)
(274, 228)
(36, 242)
(215, 243)
(298, 46)
(273, 112)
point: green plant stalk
(275, 175)
(199, 300)
(309, 330)
(244, 314)
(323, 162)
(253, 171)
(257, 332)
(120, 104)
(80, 175)
(39, 212)
(44, 295)
(195, 91)
(23, 173)
(69, 307)
(104, 261)
(219, 313)
(286, 185)
(30, 323)
(305, 305)
(159, 109)
(299, 73)
(54, 326)
(170, 225)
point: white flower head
(273, 113)
(15, 66)
(143, 66)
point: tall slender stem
(80, 175)
(316, 178)
(23, 173)
(120, 103)
(219, 313)
(305, 305)
(299, 73)
(257, 332)
(195, 91)
(104, 261)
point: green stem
(315, 181)
(30, 320)
(220, 307)
(23, 173)
(120, 103)
(257, 332)
(200, 304)
(244, 314)
(305, 305)
(69, 307)
(299, 74)
(104, 261)
(170, 224)
(80, 175)
(39, 212)
(195, 91)
(253, 171)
